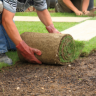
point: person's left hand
(52, 29)
(77, 12)
(86, 12)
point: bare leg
(10, 27)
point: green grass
(95, 3)
(40, 28)
(11, 54)
(52, 14)
(89, 47)
(93, 18)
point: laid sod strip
(55, 48)
(13, 55)
(35, 26)
(3, 65)
(52, 14)
(89, 47)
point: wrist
(20, 43)
(76, 10)
(51, 29)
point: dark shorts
(11, 5)
(40, 4)
(64, 8)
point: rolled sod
(55, 48)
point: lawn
(95, 3)
(89, 46)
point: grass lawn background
(39, 27)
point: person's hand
(78, 12)
(52, 29)
(28, 52)
(85, 12)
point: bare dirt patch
(75, 79)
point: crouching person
(79, 7)
(9, 11)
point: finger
(81, 13)
(87, 12)
(36, 61)
(36, 51)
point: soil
(75, 79)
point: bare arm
(70, 5)
(10, 27)
(45, 17)
(85, 5)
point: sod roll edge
(55, 48)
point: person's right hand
(86, 12)
(28, 52)
(52, 29)
(78, 12)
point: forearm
(10, 27)
(45, 17)
(12, 32)
(46, 20)
(70, 5)
(85, 5)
